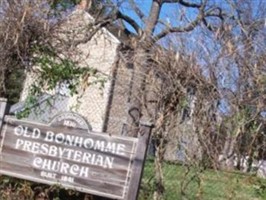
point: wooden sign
(70, 119)
(89, 162)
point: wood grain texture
(3, 108)
(24, 155)
(138, 164)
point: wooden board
(94, 163)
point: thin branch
(212, 12)
(123, 26)
(208, 26)
(129, 20)
(186, 28)
(91, 32)
(215, 12)
(183, 3)
(106, 21)
(137, 9)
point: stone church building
(103, 107)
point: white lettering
(35, 147)
(26, 133)
(110, 147)
(19, 142)
(79, 141)
(99, 145)
(36, 133)
(120, 149)
(44, 149)
(49, 136)
(84, 172)
(46, 164)
(18, 130)
(26, 146)
(64, 168)
(55, 166)
(86, 158)
(67, 179)
(70, 139)
(37, 162)
(108, 163)
(77, 156)
(95, 157)
(74, 170)
(48, 175)
(59, 167)
(52, 151)
(70, 152)
(61, 152)
(88, 143)
(69, 123)
(99, 160)
(59, 138)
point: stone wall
(100, 53)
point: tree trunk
(135, 103)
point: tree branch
(91, 32)
(153, 17)
(105, 21)
(129, 20)
(211, 13)
(186, 28)
(137, 9)
(183, 3)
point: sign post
(137, 168)
(3, 105)
(73, 157)
(3, 108)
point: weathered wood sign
(89, 162)
(70, 119)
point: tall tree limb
(153, 17)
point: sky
(168, 12)
(227, 72)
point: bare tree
(148, 32)
(241, 52)
(147, 57)
(19, 29)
